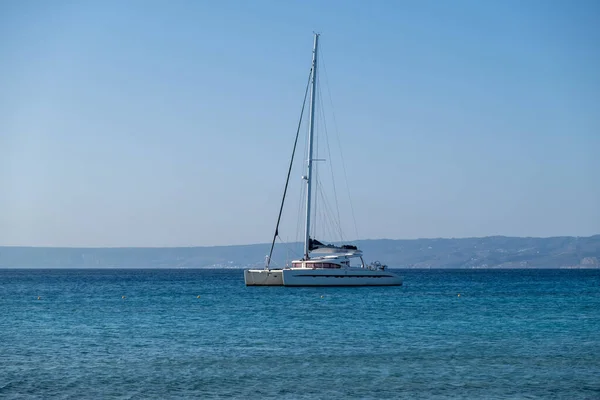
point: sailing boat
(322, 264)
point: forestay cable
(287, 181)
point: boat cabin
(339, 261)
(314, 264)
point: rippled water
(510, 334)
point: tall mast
(308, 177)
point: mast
(308, 176)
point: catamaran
(322, 264)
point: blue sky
(155, 123)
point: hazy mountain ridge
(485, 252)
(490, 252)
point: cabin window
(316, 265)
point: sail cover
(314, 244)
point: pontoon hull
(321, 277)
(263, 277)
(339, 277)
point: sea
(198, 333)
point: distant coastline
(493, 252)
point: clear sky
(170, 123)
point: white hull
(263, 277)
(321, 277)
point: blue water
(510, 334)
